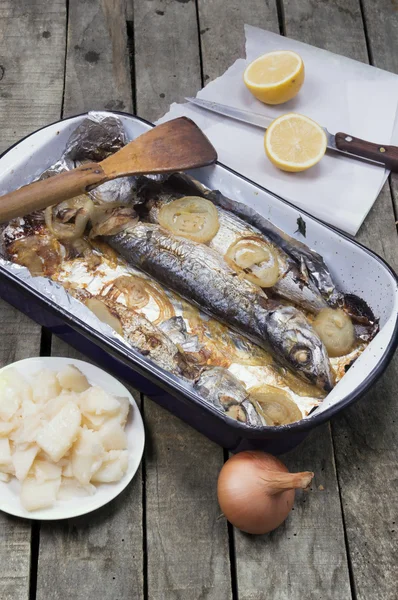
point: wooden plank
(222, 34)
(366, 446)
(20, 338)
(98, 555)
(316, 542)
(381, 20)
(335, 26)
(373, 450)
(97, 64)
(304, 558)
(187, 546)
(167, 63)
(364, 435)
(32, 43)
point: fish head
(299, 346)
(221, 388)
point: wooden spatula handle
(388, 155)
(53, 190)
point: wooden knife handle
(55, 189)
(388, 155)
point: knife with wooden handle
(343, 143)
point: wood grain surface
(32, 44)
(365, 435)
(164, 537)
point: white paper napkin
(339, 93)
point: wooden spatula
(177, 145)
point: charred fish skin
(291, 285)
(200, 274)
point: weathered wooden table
(163, 539)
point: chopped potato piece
(113, 467)
(14, 389)
(5, 452)
(87, 455)
(8, 406)
(23, 460)
(45, 386)
(71, 378)
(35, 496)
(5, 477)
(113, 436)
(6, 428)
(58, 435)
(71, 488)
(12, 392)
(94, 422)
(43, 470)
(54, 405)
(97, 402)
(28, 408)
(67, 470)
(28, 429)
(124, 409)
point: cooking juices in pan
(202, 285)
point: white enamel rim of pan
(354, 268)
(75, 507)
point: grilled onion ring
(274, 405)
(138, 292)
(190, 217)
(255, 259)
(104, 314)
(58, 217)
(336, 331)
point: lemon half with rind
(275, 77)
(294, 142)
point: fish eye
(301, 355)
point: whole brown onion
(256, 491)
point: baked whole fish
(291, 285)
(200, 274)
(304, 278)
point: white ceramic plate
(66, 509)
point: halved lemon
(275, 77)
(294, 142)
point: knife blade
(342, 143)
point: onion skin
(256, 491)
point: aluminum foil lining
(97, 137)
